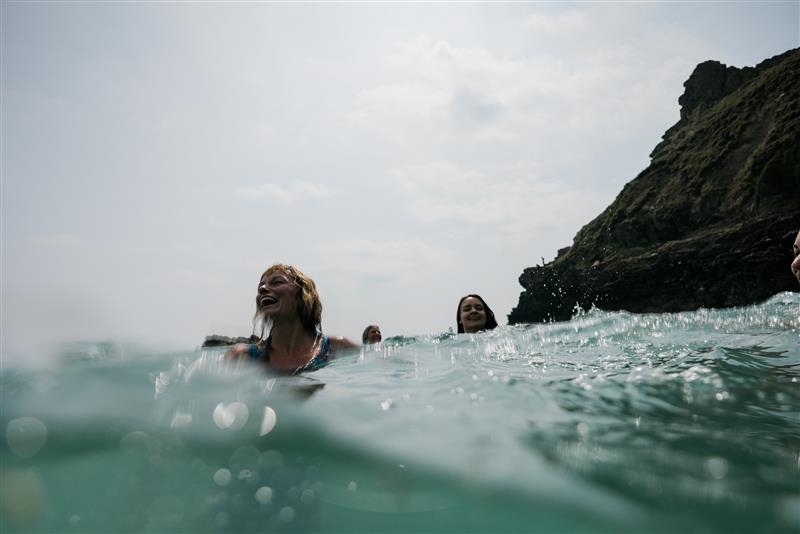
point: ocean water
(610, 422)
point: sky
(158, 156)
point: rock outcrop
(709, 223)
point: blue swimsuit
(320, 359)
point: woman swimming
(290, 312)
(474, 315)
(372, 334)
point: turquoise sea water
(610, 422)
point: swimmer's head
(372, 334)
(474, 315)
(284, 290)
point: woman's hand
(238, 352)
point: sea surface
(610, 422)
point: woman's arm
(239, 351)
(342, 343)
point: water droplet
(386, 404)
(717, 467)
(287, 514)
(264, 494)
(231, 416)
(222, 477)
(268, 422)
(26, 436)
(638, 422)
(352, 486)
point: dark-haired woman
(372, 334)
(290, 312)
(474, 315)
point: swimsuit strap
(320, 359)
(256, 352)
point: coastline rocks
(709, 223)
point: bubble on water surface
(268, 421)
(264, 495)
(386, 404)
(74, 520)
(222, 477)
(26, 436)
(287, 514)
(352, 486)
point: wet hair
(366, 332)
(491, 322)
(309, 306)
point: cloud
(283, 194)
(506, 201)
(569, 21)
(386, 259)
(436, 91)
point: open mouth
(473, 317)
(267, 300)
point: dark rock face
(711, 221)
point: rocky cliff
(709, 223)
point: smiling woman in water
(474, 315)
(290, 312)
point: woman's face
(277, 295)
(472, 314)
(373, 334)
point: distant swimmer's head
(372, 334)
(796, 262)
(473, 315)
(286, 293)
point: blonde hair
(309, 306)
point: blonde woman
(290, 312)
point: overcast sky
(156, 157)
